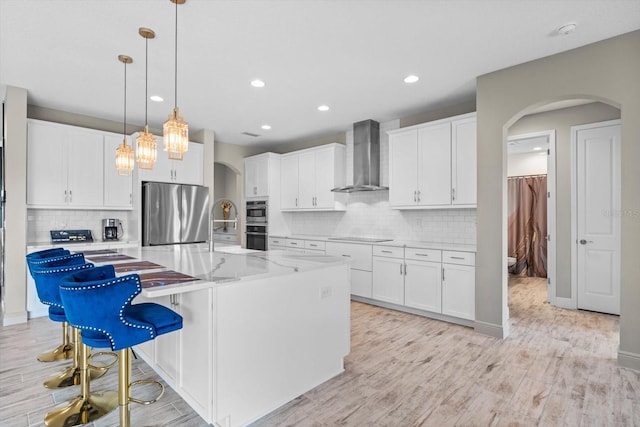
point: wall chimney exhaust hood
(366, 158)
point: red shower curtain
(527, 201)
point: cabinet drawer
(359, 255)
(295, 243)
(462, 258)
(433, 255)
(388, 251)
(276, 242)
(314, 244)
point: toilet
(510, 261)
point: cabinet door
(85, 151)
(289, 182)
(361, 283)
(324, 178)
(189, 170)
(262, 177)
(196, 348)
(423, 285)
(403, 168)
(250, 177)
(434, 165)
(458, 291)
(464, 168)
(118, 189)
(388, 280)
(166, 346)
(307, 180)
(46, 165)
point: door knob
(584, 242)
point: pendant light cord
(175, 95)
(146, 79)
(124, 126)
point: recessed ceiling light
(323, 108)
(537, 148)
(567, 28)
(257, 83)
(266, 127)
(411, 79)
(156, 98)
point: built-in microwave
(256, 211)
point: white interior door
(598, 217)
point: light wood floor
(557, 368)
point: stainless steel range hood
(366, 158)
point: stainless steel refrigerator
(174, 213)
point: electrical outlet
(419, 222)
(325, 292)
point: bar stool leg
(124, 378)
(63, 351)
(71, 375)
(85, 408)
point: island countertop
(212, 269)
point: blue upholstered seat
(36, 257)
(99, 304)
(48, 273)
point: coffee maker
(112, 229)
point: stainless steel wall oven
(257, 225)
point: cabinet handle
(418, 254)
(405, 269)
(415, 196)
(386, 252)
(70, 196)
(131, 198)
(296, 202)
(418, 196)
(312, 245)
(457, 257)
(401, 269)
(293, 243)
(443, 274)
(453, 194)
(348, 256)
(66, 199)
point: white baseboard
(629, 360)
(491, 329)
(568, 303)
(9, 319)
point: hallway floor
(558, 367)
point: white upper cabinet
(433, 165)
(118, 189)
(289, 182)
(189, 170)
(256, 173)
(307, 177)
(65, 166)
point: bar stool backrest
(48, 275)
(37, 257)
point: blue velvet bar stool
(99, 304)
(64, 350)
(47, 274)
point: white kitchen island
(259, 329)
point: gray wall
(606, 71)
(561, 121)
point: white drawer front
(462, 258)
(388, 251)
(432, 255)
(360, 255)
(295, 243)
(277, 242)
(314, 244)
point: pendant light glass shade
(176, 136)
(146, 148)
(175, 129)
(124, 152)
(124, 158)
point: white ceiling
(351, 55)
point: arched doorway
(227, 195)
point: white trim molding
(491, 329)
(629, 360)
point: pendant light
(176, 130)
(146, 151)
(124, 152)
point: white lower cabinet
(361, 283)
(423, 285)
(388, 279)
(360, 257)
(458, 291)
(171, 355)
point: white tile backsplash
(368, 214)
(41, 221)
